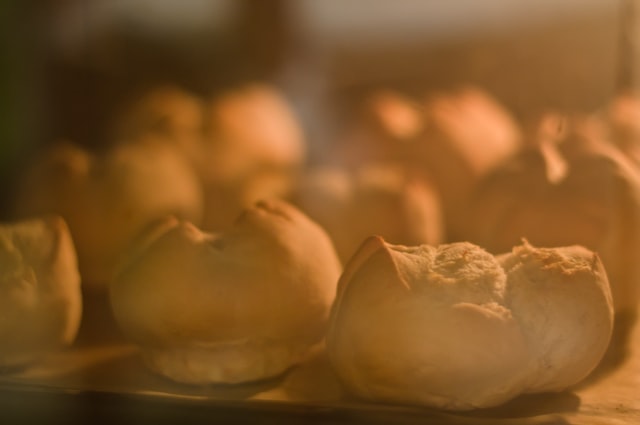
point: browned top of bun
(272, 276)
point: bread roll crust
(596, 204)
(40, 297)
(263, 291)
(426, 326)
(108, 198)
(454, 327)
(562, 299)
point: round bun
(253, 149)
(449, 327)
(372, 200)
(227, 308)
(567, 287)
(467, 134)
(167, 112)
(622, 119)
(577, 189)
(40, 297)
(425, 325)
(383, 130)
(108, 198)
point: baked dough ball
(577, 189)
(254, 148)
(449, 327)
(384, 129)
(239, 306)
(561, 298)
(371, 200)
(467, 133)
(622, 118)
(40, 300)
(107, 198)
(167, 112)
(428, 326)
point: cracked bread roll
(240, 306)
(454, 327)
(40, 299)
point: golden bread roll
(253, 149)
(233, 307)
(40, 297)
(467, 133)
(384, 130)
(167, 112)
(562, 299)
(574, 189)
(622, 119)
(449, 327)
(107, 198)
(371, 200)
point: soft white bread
(425, 325)
(562, 299)
(449, 327)
(371, 200)
(227, 308)
(108, 198)
(40, 299)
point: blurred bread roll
(253, 149)
(382, 130)
(572, 188)
(371, 200)
(466, 134)
(40, 296)
(449, 327)
(166, 112)
(108, 197)
(233, 307)
(561, 298)
(621, 116)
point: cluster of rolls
(171, 153)
(220, 248)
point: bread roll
(562, 299)
(574, 189)
(467, 133)
(40, 299)
(167, 112)
(371, 200)
(253, 149)
(228, 308)
(449, 327)
(383, 130)
(622, 118)
(107, 198)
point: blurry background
(67, 65)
